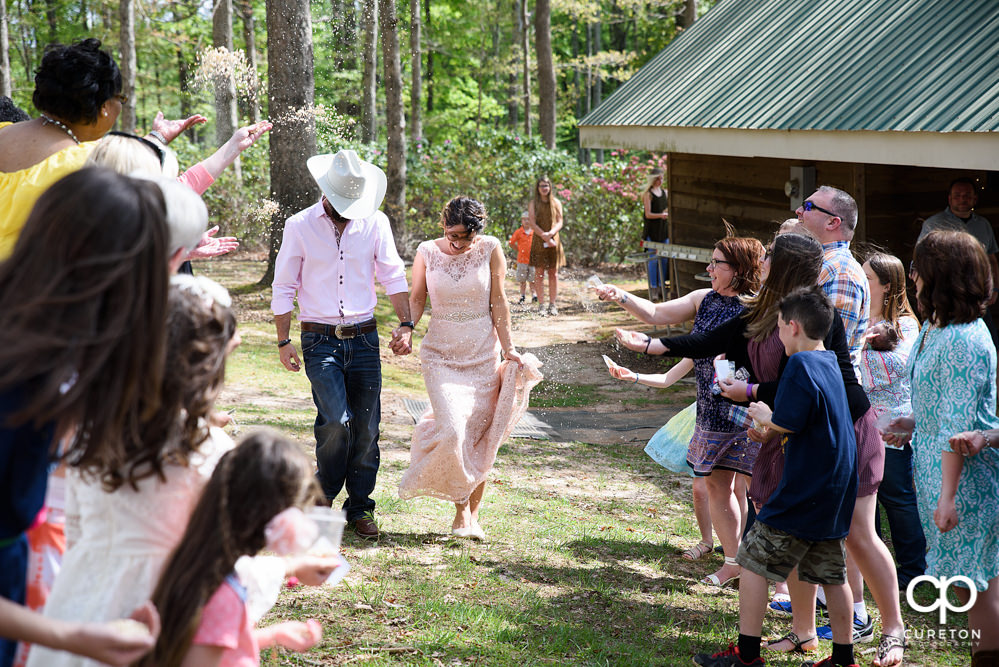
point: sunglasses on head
(160, 153)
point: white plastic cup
(594, 282)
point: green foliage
(601, 203)
(237, 206)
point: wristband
(749, 391)
(407, 323)
(282, 343)
(158, 136)
(648, 341)
(985, 437)
(638, 375)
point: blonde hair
(653, 175)
(128, 154)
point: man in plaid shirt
(831, 216)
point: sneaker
(534, 299)
(727, 658)
(782, 606)
(542, 310)
(552, 310)
(862, 632)
(522, 299)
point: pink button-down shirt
(335, 285)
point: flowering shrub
(601, 203)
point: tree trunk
(250, 42)
(430, 58)
(5, 85)
(225, 92)
(395, 119)
(596, 88)
(689, 13)
(343, 34)
(127, 64)
(416, 78)
(290, 87)
(525, 52)
(369, 79)
(546, 71)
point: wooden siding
(749, 193)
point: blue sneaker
(862, 632)
(781, 606)
(784, 607)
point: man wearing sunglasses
(831, 217)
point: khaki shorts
(772, 553)
(525, 273)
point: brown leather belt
(341, 331)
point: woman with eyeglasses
(78, 92)
(952, 368)
(720, 454)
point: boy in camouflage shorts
(806, 520)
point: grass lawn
(581, 564)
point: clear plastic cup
(330, 523)
(594, 282)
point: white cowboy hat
(354, 187)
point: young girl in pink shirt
(253, 501)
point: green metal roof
(881, 65)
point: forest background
(448, 96)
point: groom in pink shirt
(330, 256)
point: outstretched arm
(660, 380)
(241, 139)
(670, 312)
(171, 129)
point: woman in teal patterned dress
(953, 373)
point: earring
(104, 112)
(886, 301)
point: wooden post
(859, 192)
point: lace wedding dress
(475, 399)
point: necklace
(46, 120)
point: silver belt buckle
(339, 331)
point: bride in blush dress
(475, 397)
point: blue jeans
(657, 268)
(346, 377)
(898, 496)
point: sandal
(797, 645)
(713, 580)
(699, 550)
(886, 645)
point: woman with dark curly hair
(78, 95)
(952, 368)
(475, 399)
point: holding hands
(402, 341)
